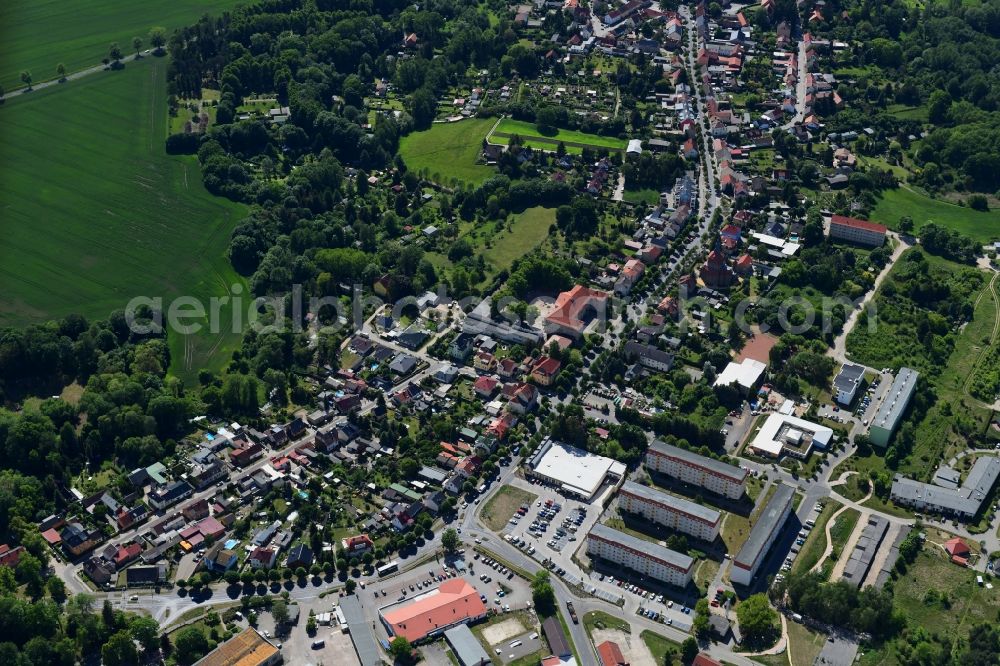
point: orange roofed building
(611, 654)
(454, 602)
(573, 309)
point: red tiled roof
(571, 304)
(611, 654)
(704, 660)
(455, 601)
(956, 547)
(857, 224)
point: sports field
(524, 129)
(37, 35)
(95, 212)
(894, 204)
(448, 151)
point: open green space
(894, 204)
(527, 130)
(40, 34)
(840, 533)
(526, 231)
(96, 213)
(804, 644)
(646, 196)
(660, 647)
(601, 620)
(815, 543)
(968, 603)
(736, 528)
(498, 510)
(447, 152)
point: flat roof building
(706, 473)
(846, 383)
(453, 602)
(644, 557)
(670, 511)
(786, 434)
(890, 412)
(745, 374)
(576, 471)
(961, 502)
(763, 534)
(466, 647)
(863, 555)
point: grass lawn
(647, 196)
(659, 646)
(815, 543)
(804, 644)
(969, 603)
(840, 532)
(447, 152)
(736, 528)
(525, 129)
(96, 213)
(601, 620)
(498, 510)
(39, 34)
(527, 230)
(894, 204)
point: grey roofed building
(466, 647)
(653, 550)
(763, 533)
(556, 637)
(690, 457)
(403, 364)
(962, 502)
(649, 356)
(432, 474)
(360, 631)
(846, 383)
(890, 412)
(700, 511)
(864, 551)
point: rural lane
(79, 74)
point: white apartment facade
(677, 513)
(644, 557)
(712, 475)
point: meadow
(448, 152)
(894, 204)
(40, 34)
(96, 213)
(524, 129)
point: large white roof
(576, 469)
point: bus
(386, 569)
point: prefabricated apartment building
(707, 473)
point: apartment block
(639, 555)
(670, 511)
(707, 473)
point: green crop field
(448, 151)
(894, 204)
(95, 212)
(526, 129)
(37, 35)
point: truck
(572, 612)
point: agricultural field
(447, 152)
(509, 126)
(135, 222)
(894, 204)
(40, 34)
